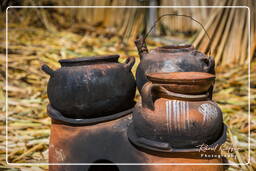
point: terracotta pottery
(92, 86)
(174, 58)
(169, 120)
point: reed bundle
(230, 35)
(227, 27)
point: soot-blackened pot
(173, 58)
(166, 120)
(91, 86)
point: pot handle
(129, 62)
(146, 95)
(48, 70)
(148, 99)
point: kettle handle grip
(178, 15)
(129, 62)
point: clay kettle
(172, 58)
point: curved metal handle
(129, 62)
(178, 15)
(48, 70)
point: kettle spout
(141, 46)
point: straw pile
(227, 27)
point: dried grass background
(35, 39)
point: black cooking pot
(91, 86)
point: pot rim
(175, 48)
(89, 59)
(180, 77)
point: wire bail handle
(178, 15)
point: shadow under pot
(173, 58)
(91, 86)
(169, 120)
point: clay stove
(104, 140)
